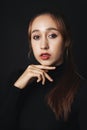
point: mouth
(45, 56)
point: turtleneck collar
(58, 72)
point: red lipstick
(45, 56)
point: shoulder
(83, 86)
(82, 91)
(9, 82)
(81, 103)
(7, 88)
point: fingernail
(43, 83)
(51, 80)
(37, 81)
(54, 67)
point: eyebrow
(48, 29)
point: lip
(45, 56)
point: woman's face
(46, 41)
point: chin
(45, 63)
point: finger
(38, 78)
(48, 77)
(44, 67)
(41, 77)
(40, 74)
(39, 71)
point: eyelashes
(36, 37)
(51, 36)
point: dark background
(14, 19)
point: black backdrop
(14, 18)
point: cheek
(33, 45)
(35, 49)
(58, 46)
(58, 51)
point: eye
(36, 37)
(52, 35)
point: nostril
(44, 47)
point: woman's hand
(32, 72)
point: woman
(50, 94)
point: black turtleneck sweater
(28, 108)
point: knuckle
(39, 75)
(42, 72)
(29, 66)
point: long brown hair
(61, 97)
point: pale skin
(45, 39)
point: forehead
(44, 21)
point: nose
(44, 43)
